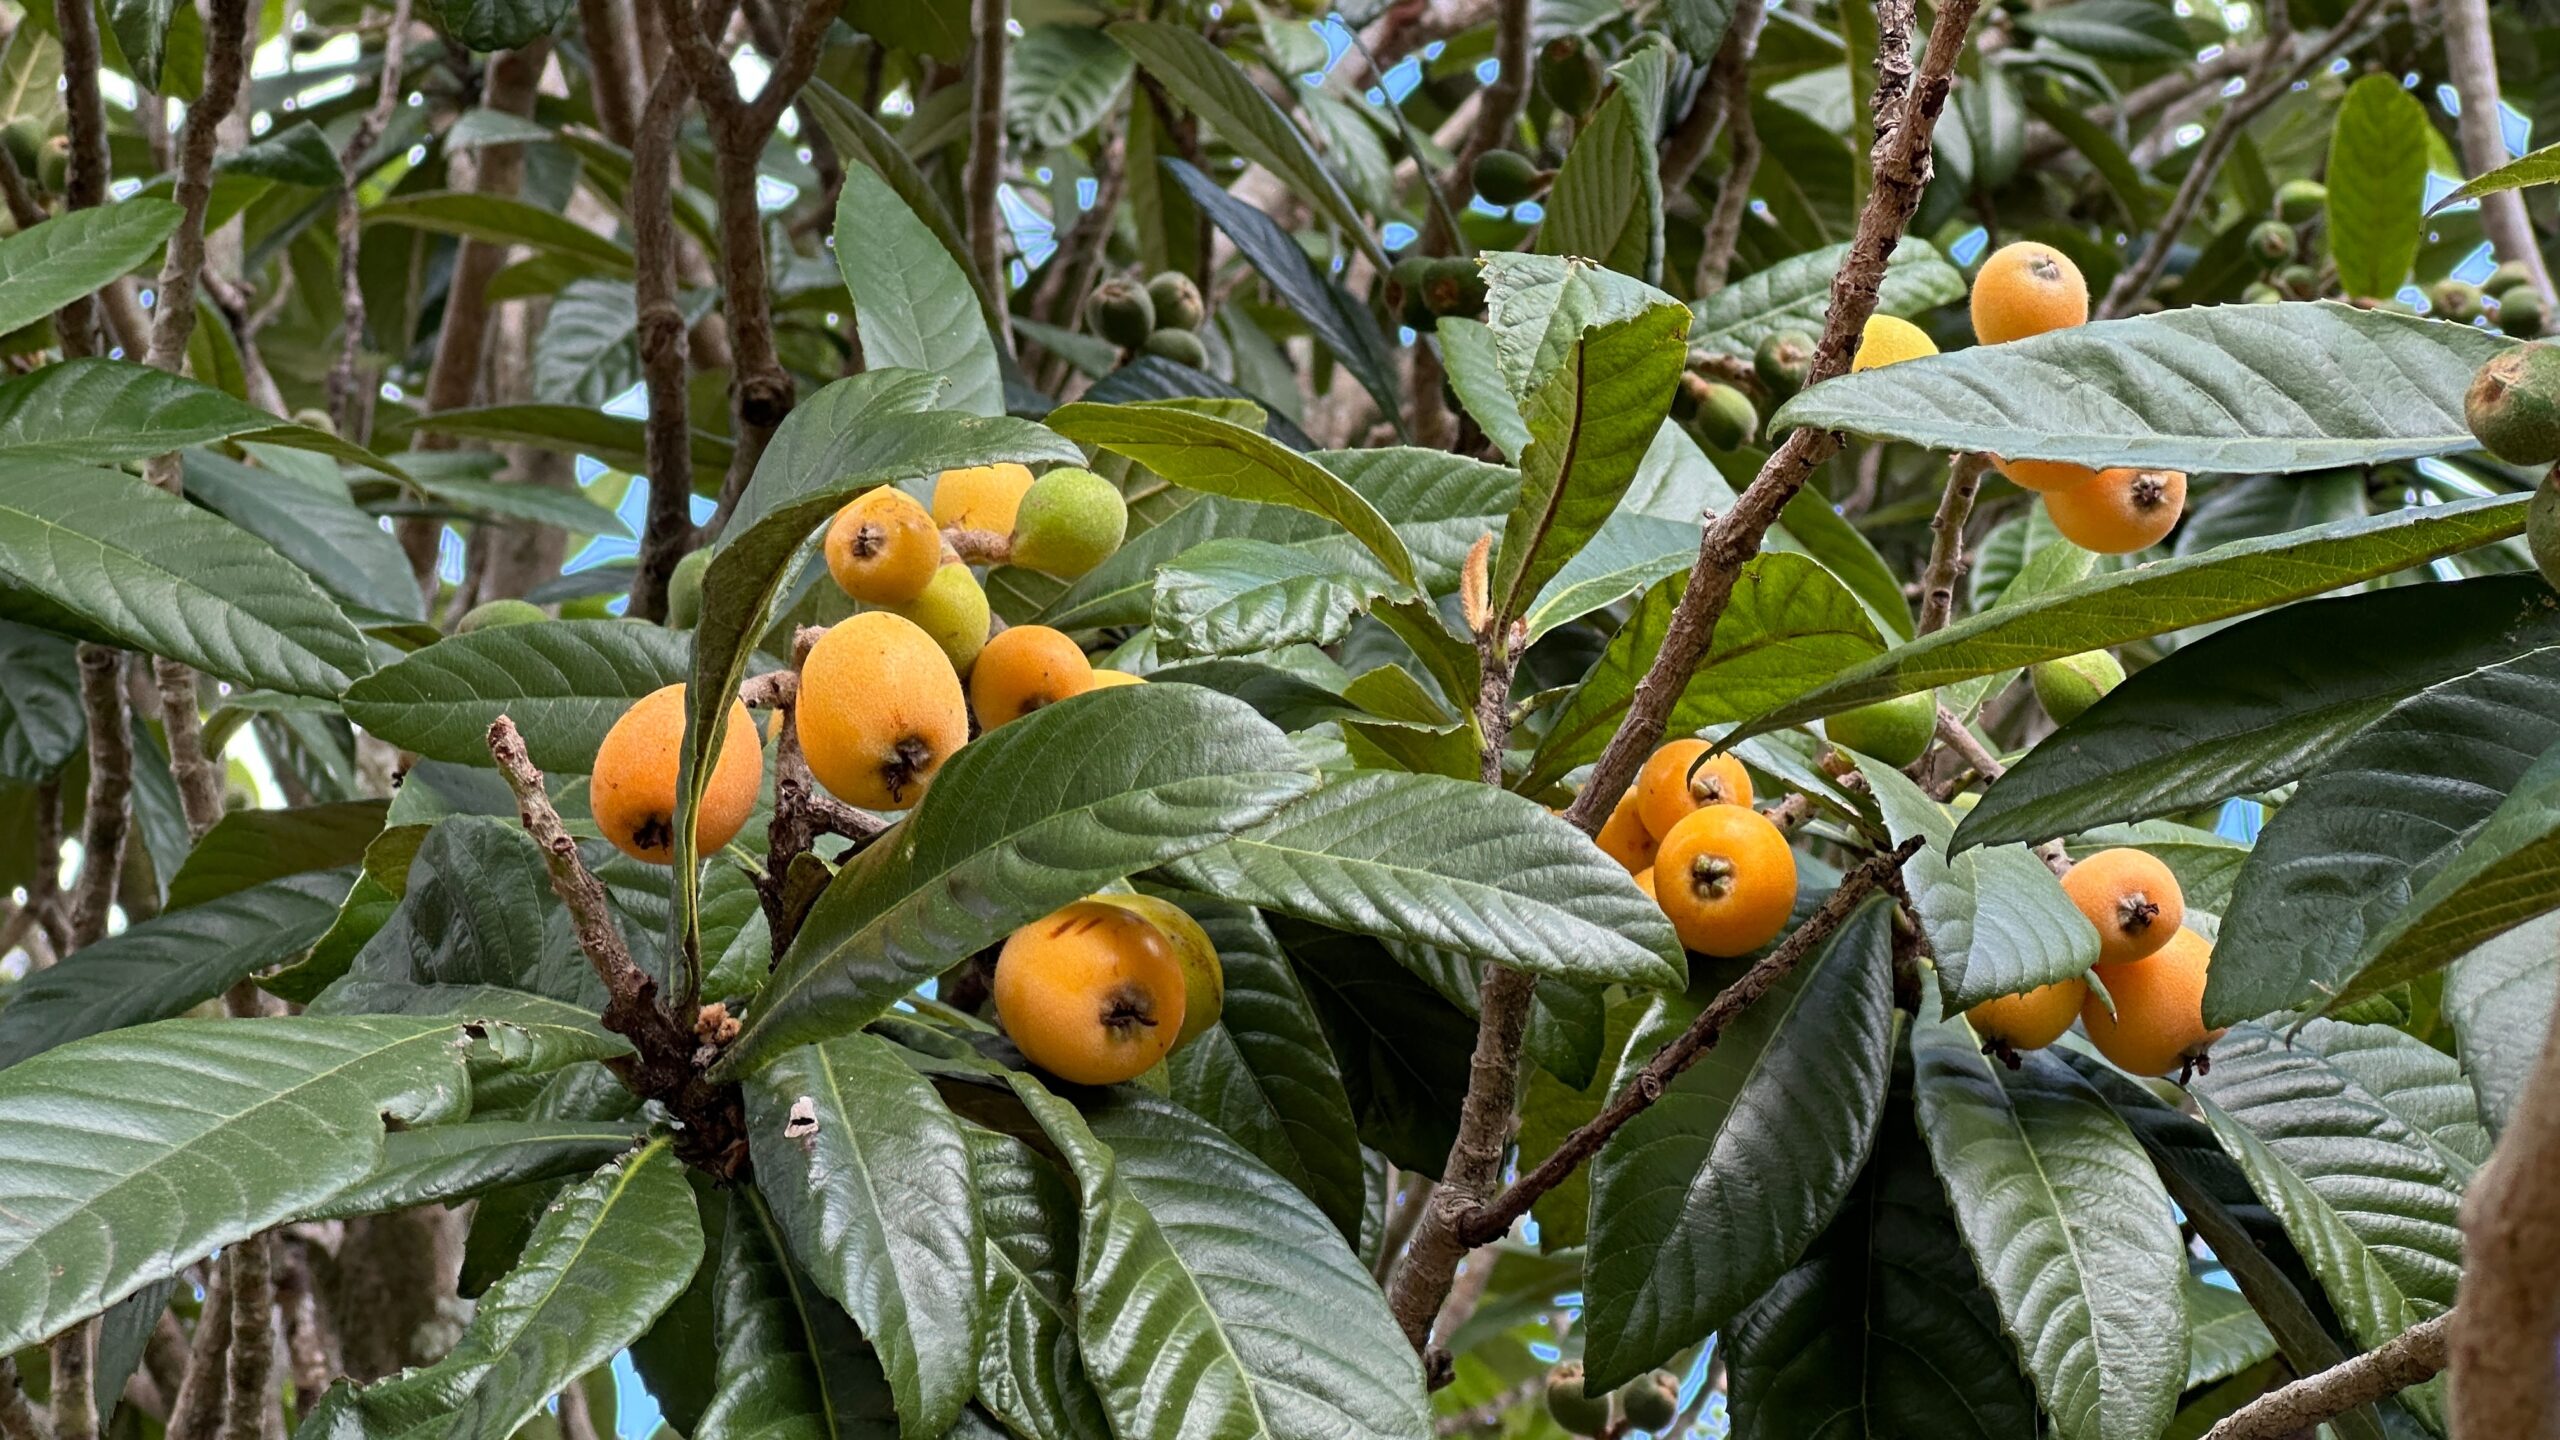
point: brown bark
(1732, 82)
(986, 142)
(1946, 542)
(249, 1384)
(106, 819)
(2472, 63)
(2505, 1381)
(669, 531)
(1497, 115)
(350, 397)
(74, 1384)
(2410, 1358)
(613, 66)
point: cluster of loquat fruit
(1161, 317)
(1721, 871)
(2150, 1021)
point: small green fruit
(1177, 301)
(2299, 281)
(1576, 1412)
(2455, 300)
(498, 614)
(2507, 277)
(1120, 312)
(315, 418)
(53, 165)
(1726, 418)
(2514, 405)
(2542, 528)
(2520, 312)
(2260, 292)
(2072, 684)
(1507, 177)
(953, 610)
(2298, 201)
(1182, 347)
(1784, 362)
(1070, 521)
(1405, 293)
(684, 591)
(1454, 286)
(25, 138)
(1569, 74)
(2272, 242)
(1650, 1402)
(1896, 731)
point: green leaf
(1403, 1047)
(297, 154)
(141, 29)
(1883, 1328)
(791, 1365)
(2074, 1236)
(316, 526)
(2377, 185)
(2224, 1336)
(2499, 1000)
(1606, 202)
(1211, 86)
(1795, 294)
(1705, 1199)
(1537, 306)
(1590, 423)
(527, 501)
(1812, 524)
(501, 220)
(1060, 81)
(164, 577)
(42, 724)
(1246, 597)
(564, 683)
(2343, 858)
(1450, 864)
(2160, 598)
(868, 1177)
(1030, 1373)
(2325, 385)
(912, 302)
(50, 264)
(100, 412)
(2504, 876)
(479, 911)
(518, 1031)
(165, 967)
(616, 441)
(1551, 1110)
(1788, 625)
(1698, 26)
(1021, 821)
(2540, 167)
(248, 848)
(447, 1163)
(1264, 1074)
(2258, 705)
(939, 28)
(119, 1153)
(586, 353)
(2128, 30)
(606, 1258)
(1997, 920)
(1626, 555)
(1219, 457)
(1212, 1299)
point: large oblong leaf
(2508, 872)
(2071, 1229)
(2540, 167)
(2259, 704)
(2499, 1000)
(503, 220)
(99, 412)
(164, 577)
(790, 1364)
(606, 1257)
(912, 303)
(1606, 202)
(1060, 81)
(1450, 864)
(313, 523)
(2257, 389)
(1030, 1373)
(120, 1154)
(564, 683)
(1021, 821)
(2344, 856)
(1253, 597)
(54, 262)
(2156, 599)
(446, 1163)
(1710, 1195)
(868, 1177)
(2377, 184)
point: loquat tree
(1278, 720)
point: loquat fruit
(1070, 520)
(2032, 1020)
(2158, 1025)
(1204, 978)
(2121, 511)
(1784, 362)
(1023, 669)
(1105, 679)
(1896, 731)
(1625, 838)
(1644, 882)
(2044, 476)
(2027, 289)
(1120, 311)
(879, 711)
(2067, 687)
(2514, 405)
(2131, 897)
(1506, 177)
(2542, 528)
(1726, 418)
(1890, 340)
(499, 614)
(1176, 301)
(1179, 346)
(2298, 202)
(684, 591)
(981, 497)
(1092, 993)
(952, 610)
(632, 790)
(1650, 1402)
(883, 547)
(1727, 880)
(1574, 1410)
(1673, 783)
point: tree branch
(669, 532)
(2410, 1358)
(106, 819)
(74, 1385)
(1498, 108)
(173, 316)
(2505, 1380)
(249, 1390)
(2471, 61)
(986, 141)
(613, 67)
(85, 176)
(1946, 542)
(350, 400)
(1489, 1222)
(195, 1412)
(1732, 80)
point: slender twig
(2471, 62)
(74, 1384)
(1731, 78)
(249, 1390)
(1498, 110)
(577, 1422)
(195, 1412)
(106, 819)
(199, 776)
(19, 1420)
(349, 404)
(2410, 1358)
(1489, 1222)
(613, 66)
(85, 176)
(226, 57)
(1946, 542)
(2507, 1315)
(978, 547)
(669, 532)
(986, 141)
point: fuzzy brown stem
(173, 317)
(195, 1412)
(1732, 80)
(986, 141)
(74, 1382)
(1491, 1221)
(198, 775)
(2505, 1381)
(1907, 106)
(106, 819)
(669, 533)
(249, 1385)
(350, 401)
(2410, 1358)
(1946, 542)
(978, 547)
(85, 176)
(1498, 108)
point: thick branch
(85, 176)
(74, 1382)
(2410, 1358)
(2506, 1380)
(250, 1374)
(1907, 106)
(199, 776)
(613, 66)
(1490, 1222)
(106, 819)
(2472, 63)
(349, 399)
(986, 141)
(669, 532)
(1946, 542)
